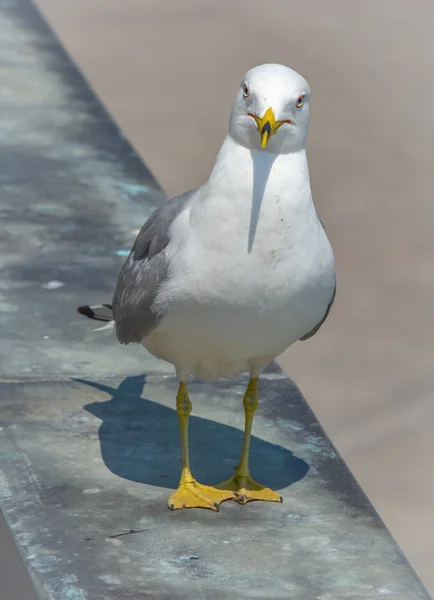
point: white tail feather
(110, 325)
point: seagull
(222, 279)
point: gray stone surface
(73, 194)
(87, 461)
(89, 436)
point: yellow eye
(300, 100)
(245, 90)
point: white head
(271, 110)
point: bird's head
(271, 110)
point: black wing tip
(87, 311)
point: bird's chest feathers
(257, 213)
(253, 239)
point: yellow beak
(267, 125)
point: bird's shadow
(140, 441)
(262, 165)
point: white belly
(241, 318)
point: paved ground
(168, 72)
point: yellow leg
(190, 493)
(245, 488)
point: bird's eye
(245, 90)
(300, 100)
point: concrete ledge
(89, 464)
(73, 194)
(89, 436)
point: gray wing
(143, 273)
(318, 325)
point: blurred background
(168, 72)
